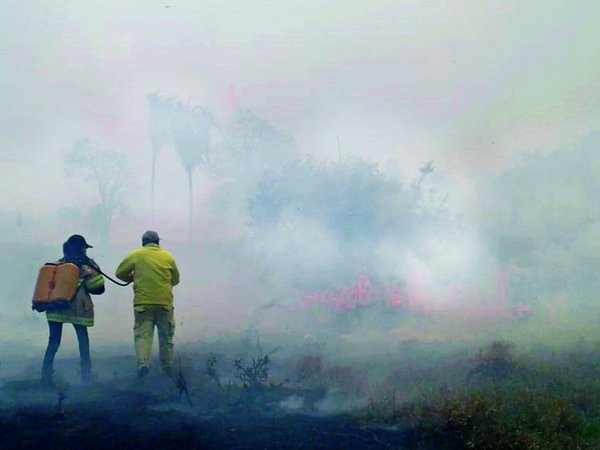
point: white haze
(468, 85)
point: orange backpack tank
(56, 286)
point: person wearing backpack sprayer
(79, 311)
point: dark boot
(55, 333)
(84, 354)
(167, 371)
(142, 373)
(87, 377)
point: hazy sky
(466, 83)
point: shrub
(501, 420)
(309, 369)
(497, 360)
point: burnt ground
(122, 413)
(116, 429)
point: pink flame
(416, 297)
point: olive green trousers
(146, 318)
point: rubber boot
(142, 373)
(167, 372)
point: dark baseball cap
(79, 240)
(150, 236)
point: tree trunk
(106, 231)
(190, 205)
(152, 187)
(105, 220)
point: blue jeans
(55, 334)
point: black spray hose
(114, 281)
(97, 268)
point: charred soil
(113, 417)
(86, 427)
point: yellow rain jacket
(153, 272)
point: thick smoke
(316, 192)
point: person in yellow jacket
(79, 311)
(154, 273)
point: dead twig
(255, 375)
(211, 370)
(228, 392)
(374, 437)
(181, 383)
(60, 413)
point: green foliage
(160, 129)
(503, 419)
(191, 127)
(340, 211)
(252, 147)
(188, 128)
(496, 360)
(353, 200)
(160, 121)
(556, 406)
(191, 132)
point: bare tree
(109, 170)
